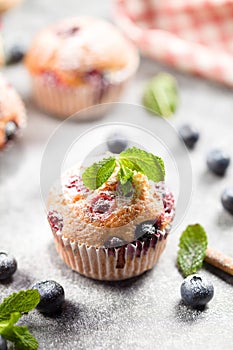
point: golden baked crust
(71, 48)
(11, 108)
(116, 214)
(7, 4)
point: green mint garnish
(193, 244)
(96, 175)
(144, 162)
(130, 161)
(161, 95)
(11, 309)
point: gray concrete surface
(144, 313)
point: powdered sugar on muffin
(93, 216)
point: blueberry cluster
(217, 161)
(52, 295)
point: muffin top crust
(92, 217)
(12, 111)
(7, 4)
(74, 48)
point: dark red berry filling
(98, 79)
(52, 78)
(121, 258)
(168, 202)
(68, 32)
(94, 75)
(102, 204)
(76, 182)
(55, 220)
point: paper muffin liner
(64, 101)
(111, 263)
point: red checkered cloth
(193, 35)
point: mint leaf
(193, 244)
(131, 160)
(22, 302)
(125, 172)
(147, 163)
(11, 310)
(96, 175)
(21, 337)
(160, 95)
(14, 317)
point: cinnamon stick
(219, 260)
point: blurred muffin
(108, 234)
(2, 54)
(12, 113)
(8, 4)
(77, 63)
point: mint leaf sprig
(11, 309)
(130, 161)
(161, 95)
(193, 244)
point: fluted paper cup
(111, 263)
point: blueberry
(15, 54)
(3, 343)
(10, 130)
(52, 296)
(196, 291)
(218, 161)
(189, 134)
(145, 230)
(117, 143)
(8, 266)
(227, 199)
(114, 242)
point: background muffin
(106, 234)
(12, 113)
(74, 65)
(8, 4)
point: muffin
(114, 232)
(12, 113)
(6, 5)
(2, 53)
(75, 64)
